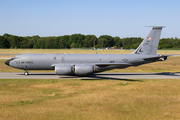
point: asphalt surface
(4, 58)
(103, 75)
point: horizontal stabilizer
(157, 58)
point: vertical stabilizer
(150, 44)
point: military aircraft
(85, 64)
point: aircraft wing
(97, 64)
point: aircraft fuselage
(46, 61)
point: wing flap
(112, 64)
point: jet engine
(63, 70)
(83, 70)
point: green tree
(118, 42)
(102, 42)
(15, 42)
(40, 43)
(107, 40)
(89, 41)
(64, 41)
(4, 43)
(73, 45)
(50, 43)
(77, 39)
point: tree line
(80, 41)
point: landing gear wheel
(26, 73)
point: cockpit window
(14, 58)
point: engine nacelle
(83, 70)
(63, 70)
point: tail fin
(150, 43)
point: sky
(123, 18)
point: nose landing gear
(26, 73)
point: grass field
(89, 99)
(74, 99)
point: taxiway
(103, 75)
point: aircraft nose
(7, 62)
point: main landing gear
(26, 73)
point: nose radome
(7, 62)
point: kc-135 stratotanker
(85, 64)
